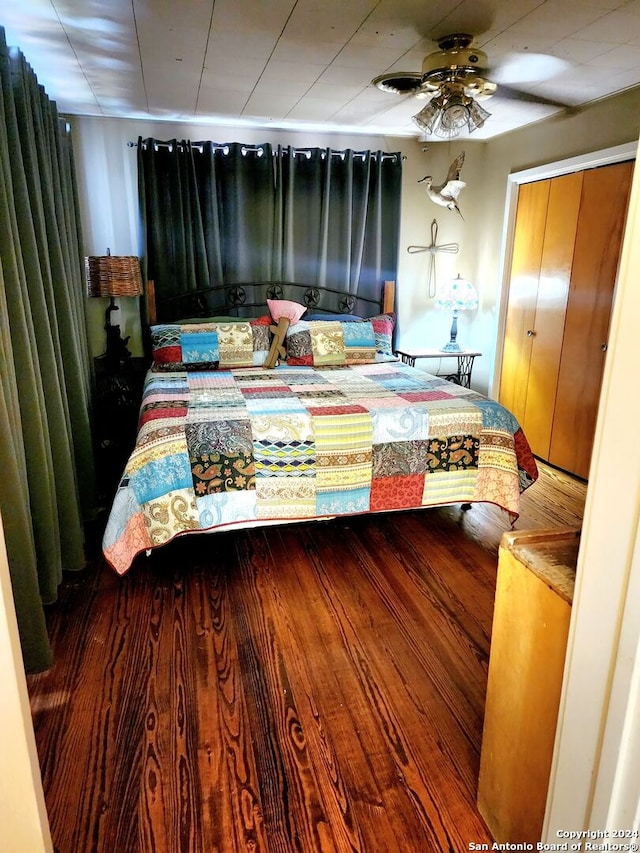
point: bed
(339, 426)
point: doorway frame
(594, 784)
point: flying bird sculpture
(447, 193)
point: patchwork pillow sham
(210, 346)
(383, 326)
(324, 343)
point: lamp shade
(448, 114)
(457, 295)
(113, 275)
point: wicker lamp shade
(113, 275)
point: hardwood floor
(310, 688)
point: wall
(108, 196)
(421, 325)
(107, 178)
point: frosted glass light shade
(457, 295)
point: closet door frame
(604, 157)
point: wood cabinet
(567, 243)
(534, 593)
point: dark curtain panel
(44, 364)
(237, 192)
(218, 214)
(340, 218)
(207, 214)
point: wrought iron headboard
(249, 299)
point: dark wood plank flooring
(310, 688)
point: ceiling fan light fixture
(455, 80)
(455, 114)
(477, 115)
(478, 88)
(449, 113)
(427, 117)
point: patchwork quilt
(220, 449)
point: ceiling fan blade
(512, 93)
(399, 82)
(527, 68)
(468, 16)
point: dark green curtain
(45, 437)
(218, 214)
(207, 214)
(340, 218)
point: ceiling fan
(455, 78)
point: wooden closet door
(531, 215)
(551, 305)
(602, 217)
(546, 223)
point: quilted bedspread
(226, 448)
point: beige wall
(108, 193)
(421, 325)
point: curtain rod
(218, 146)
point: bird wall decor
(447, 193)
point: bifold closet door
(531, 217)
(544, 240)
(603, 211)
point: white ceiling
(308, 63)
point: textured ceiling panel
(310, 62)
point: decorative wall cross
(433, 249)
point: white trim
(591, 160)
(23, 814)
(616, 801)
(504, 271)
(594, 780)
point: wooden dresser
(534, 593)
